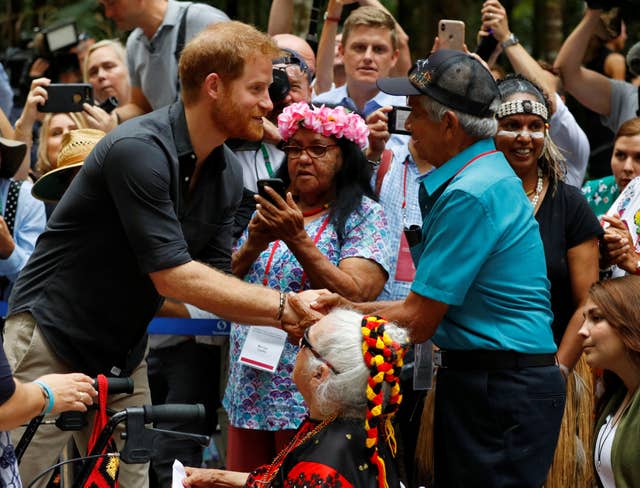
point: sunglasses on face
(304, 343)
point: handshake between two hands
(305, 308)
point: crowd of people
(449, 302)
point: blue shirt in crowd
(481, 254)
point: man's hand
(7, 244)
(298, 314)
(271, 133)
(327, 301)
(378, 132)
(494, 19)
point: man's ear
(213, 86)
(450, 124)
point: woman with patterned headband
(347, 371)
(328, 232)
(568, 227)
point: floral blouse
(263, 401)
(601, 194)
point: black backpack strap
(638, 111)
(182, 33)
(11, 206)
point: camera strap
(182, 32)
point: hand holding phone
(67, 97)
(276, 183)
(397, 119)
(451, 34)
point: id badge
(423, 366)
(262, 348)
(405, 269)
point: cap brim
(51, 186)
(397, 86)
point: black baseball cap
(453, 78)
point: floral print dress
(262, 401)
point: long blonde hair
(43, 165)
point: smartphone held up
(451, 34)
(67, 97)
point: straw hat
(11, 156)
(74, 148)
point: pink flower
(330, 122)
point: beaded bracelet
(48, 396)
(283, 300)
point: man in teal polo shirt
(480, 290)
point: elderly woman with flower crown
(328, 232)
(347, 371)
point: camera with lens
(54, 44)
(280, 86)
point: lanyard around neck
(267, 161)
(275, 245)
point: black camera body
(280, 86)
(109, 104)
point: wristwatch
(510, 41)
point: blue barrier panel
(166, 325)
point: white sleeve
(572, 142)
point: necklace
(315, 211)
(300, 438)
(609, 427)
(536, 197)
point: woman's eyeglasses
(314, 152)
(304, 342)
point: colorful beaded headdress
(330, 122)
(384, 358)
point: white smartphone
(451, 34)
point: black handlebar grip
(174, 412)
(117, 385)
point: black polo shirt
(126, 214)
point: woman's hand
(37, 96)
(73, 391)
(97, 118)
(619, 248)
(213, 478)
(282, 217)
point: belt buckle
(437, 359)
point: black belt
(480, 359)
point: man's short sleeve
(138, 178)
(460, 237)
(624, 104)
(200, 16)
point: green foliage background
(540, 24)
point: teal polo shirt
(481, 254)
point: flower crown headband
(336, 122)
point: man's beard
(236, 122)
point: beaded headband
(330, 122)
(384, 358)
(522, 107)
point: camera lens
(442, 27)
